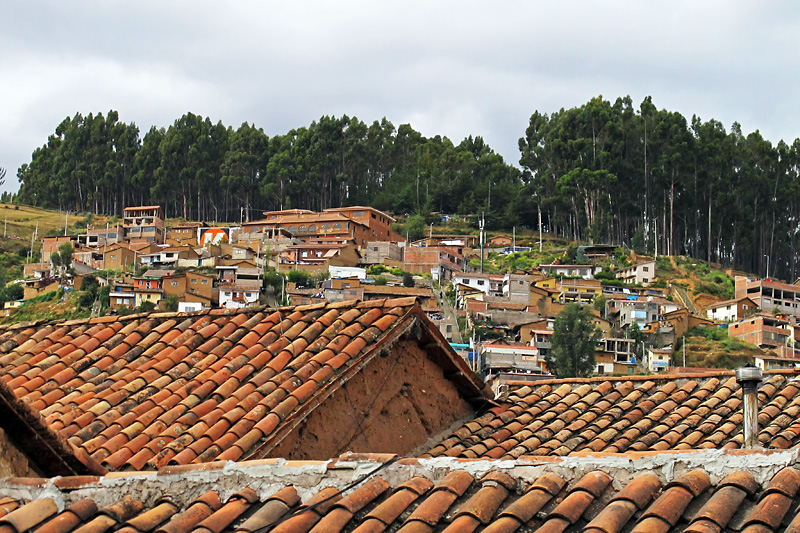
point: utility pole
(683, 345)
(540, 228)
(481, 224)
(66, 223)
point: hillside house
(441, 262)
(768, 333)
(149, 286)
(681, 321)
(499, 357)
(143, 224)
(118, 257)
(343, 289)
(769, 295)
(121, 295)
(615, 356)
(658, 359)
(489, 284)
(185, 234)
(382, 253)
(499, 241)
(639, 274)
(579, 290)
(99, 237)
(50, 245)
(318, 257)
(200, 289)
(571, 271)
(350, 224)
(731, 310)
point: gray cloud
(448, 68)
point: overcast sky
(451, 68)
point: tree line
(602, 172)
(653, 180)
(200, 170)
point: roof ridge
(388, 302)
(646, 377)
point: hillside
(713, 348)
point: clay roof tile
(742, 480)
(670, 505)
(229, 512)
(696, 482)
(485, 503)
(573, 506)
(317, 506)
(151, 518)
(594, 483)
(30, 515)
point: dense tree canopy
(200, 170)
(573, 342)
(602, 172)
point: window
(326, 226)
(337, 225)
(174, 283)
(304, 253)
(312, 228)
(359, 214)
(204, 282)
(292, 229)
(194, 281)
(480, 282)
(645, 269)
(302, 228)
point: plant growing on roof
(573, 342)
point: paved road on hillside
(684, 297)
(445, 306)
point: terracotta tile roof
(51, 453)
(452, 496)
(144, 391)
(565, 417)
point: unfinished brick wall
(12, 461)
(394, 405)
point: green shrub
(298, 277)
(146, 307)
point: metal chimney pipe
(749, 377)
